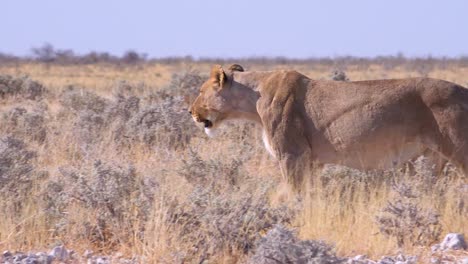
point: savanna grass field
(104, 156)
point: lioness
(376, 124)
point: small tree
(46, 53)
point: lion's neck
(245, 89)
(251, 80)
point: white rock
(435, 248)
(118, 255)
(400, 259)
(60, 253)
(44, 258)
(411, 260)
(7, 254)
(360, 257)
(102, 260)
(386, 260)
(18, 257)
(453, 241)
(88, 253)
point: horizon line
(47, 49)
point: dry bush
(342, 203)
(17, 171)
(164, 118)
(281, 245)
(86, 112)
(347, 184)
(106, 187)
(407, 222)
(125, 107)
(76, 100)
(18, 185)
(404, 217)
(22, 87)
(165, 124)
(160, 121)
(14, 161)
(224, 212)
(212, 173)
(211, 224)
(26, 124)
(338, 75)
(112, 194)
(186, 84)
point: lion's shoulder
(281, 84)
(281, 94)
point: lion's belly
(375, 147)
(382, 135)
(383, 157)
(383, 148)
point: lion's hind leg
(453, 142)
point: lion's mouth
(208, 123)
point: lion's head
(215, 103)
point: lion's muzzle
(208, 123)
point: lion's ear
(218, 75)
(236, 67)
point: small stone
(60, 253)
(88, 254)
(386, 260)
(102, 260)
(19, 257)
(435, 248)
(453, 241)
(7, 254)
(412, 260)
(360, 257)
(31, 259)
(44, 258)
(118, 255)
(402, 259)
(464, 261)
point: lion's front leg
(285, 136)
(296, 161)
(298, 168)
(292, 171)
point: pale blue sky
(238, 28)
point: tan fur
(375, 124)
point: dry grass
(107, 159)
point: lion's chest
(267, 143)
